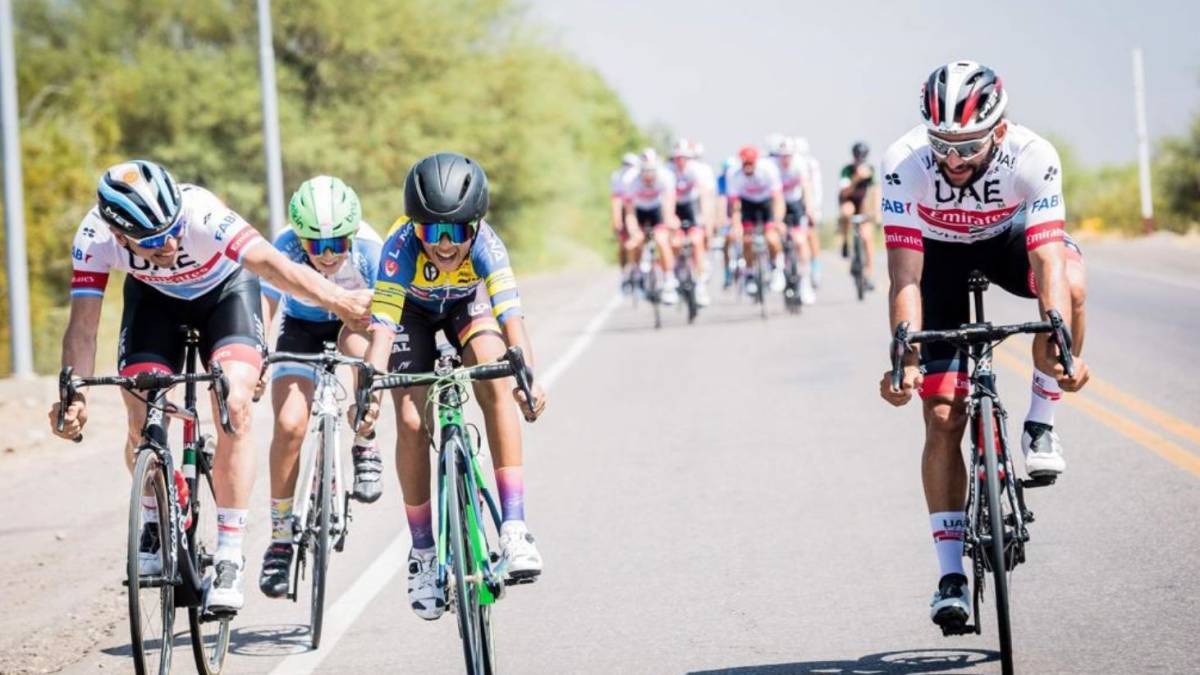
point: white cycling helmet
(648, 160)
(629, 159)
(783, 147)
(802, 147)
(962, 97)
(697, 150)
(682, 148)
(773, 142)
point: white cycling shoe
(951, 603)
(702, 297)
(149, 551)
(808, 295)
(778, 282)
(225, 594)
(518, 550)
(670, 291)
(427, 598)
(1043, 451)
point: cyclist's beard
(976, 173)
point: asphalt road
(731, 496)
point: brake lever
(899, 350)
(66, 396)
(524, 378)
(1062, 337)
(220, 385)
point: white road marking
(343, 613)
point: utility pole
(1139, 102)
(270, 115)
(14, 204)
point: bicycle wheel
(210, 635)
(687, 288)
(466, 594)
(151, 596)
(995, 522)
(856, 267)
(760, 292)
(654, 295)
(321, 541)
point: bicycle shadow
(882, 663)
(262, 641)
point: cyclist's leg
(945, 304)
(666, 254)
(475, 328)
(149, 341)
(867, 228)
(846, 211)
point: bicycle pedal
(521, 579)
(1039, 480)
(951, 630)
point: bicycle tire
(465, 598)
(856, 267)
(655, 296)
(148, 472)
(687, 287)
(760, 275)
(209, 650)
(321, 543)
(987, 422)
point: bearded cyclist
(757, 197)
(650, 207)
(798, 214)
(328, 234)
(968, 190)
(692, 206)
(446, 269)
(858, 195)
(190, 261)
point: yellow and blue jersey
(407, 277)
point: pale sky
(731, 72)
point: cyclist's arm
(306, 283)
(618, 212)
(515, 335)
(806, 189)
(904, 297)
(79, 341)
(668, 208)
(270, 304)
(846, 185)
(871, 203)
(778, 206)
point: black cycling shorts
(649, 217)
(945, 301)
(794, 216)
(686, 212)
(229, 318)
(755, 213)
(415, 347)
(303, 337)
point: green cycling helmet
(323, 208)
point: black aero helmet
(860, 151)
(446, 188)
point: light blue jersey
(357, 272)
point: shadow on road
(883, 663)
(270, 641)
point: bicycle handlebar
(68, 387)
(971, 334)
(512, 364)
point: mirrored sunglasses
(432, 233)
(966, 150)
(159, 240)
(318, 247)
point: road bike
(473, 574)
(997, 517)
(761, 267)
(650, 277)
(321, 515)
(686, 273)
(185, 520)
(792, 276)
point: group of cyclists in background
(964, 190)
(684, 200)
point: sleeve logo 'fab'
(1046, 203)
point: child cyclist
(446, 268)
(327, 234)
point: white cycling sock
(1045, 398)
(948, 529)
(231, 527)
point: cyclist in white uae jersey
(692, 197)
(798, 215)
(616, 191)
(813, 169)
(650, 206)
(191, 261)
(967, 191)
(756, 193)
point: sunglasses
(160, 240)
(966, 150)
(432, 233)
(317, 247)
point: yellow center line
(1115, 394)
(1112, 419)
